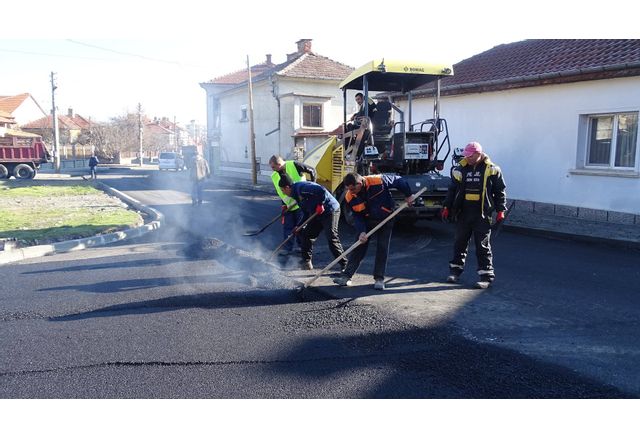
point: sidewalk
(521, 219)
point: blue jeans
(291, 219)
(196, 191)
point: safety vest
(291, 171)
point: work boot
(379, 284)
(483, 284)
(343, 281)
(306, 265)
(453, 279)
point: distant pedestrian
(477, 189)
(198, 172)
(93, 163)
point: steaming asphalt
(147, 319)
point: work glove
(319, 209)
(444, 213)
(500, 217)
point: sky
(111, 56)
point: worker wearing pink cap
(477, 190)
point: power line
(24, 52)
(135, 55)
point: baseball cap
(472, 148)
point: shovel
(357, 243)
(302, 226)
(257, 232)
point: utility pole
(140, 132)
(252, 134)
(54, 120)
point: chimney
(268, 59)
(70, 113)
(304, 45)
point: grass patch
(38, 214)
(13, 189)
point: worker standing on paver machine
(477, 189)
(291, 214)
(371, 201)
(313, 198)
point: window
(312, 115)
(244, 116)
(612, 141)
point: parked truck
(21, 154)
(382, 141)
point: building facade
(296, 105)
(559, 116)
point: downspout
(274, 93)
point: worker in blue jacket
(313, 198)
(370, 200)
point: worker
(313, 198)
(354, 120)
(370, 200)
(477, 189)
(291, 213)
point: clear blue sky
(111, 56)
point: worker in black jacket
(370, 200)
(477, 189)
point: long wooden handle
(291, 236)
(357, 243)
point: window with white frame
(312, 115)
(612, 141)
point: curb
(92, 241)
(589, 239)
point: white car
(170, 160)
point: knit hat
(472, 148)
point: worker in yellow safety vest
(292, 215)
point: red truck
(21, 154)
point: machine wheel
(23, 172)
(4, 172)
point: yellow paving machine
(384, 139)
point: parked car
(170, 160)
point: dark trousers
(291, 219)
(480, 229)
(383, 240)
(328, 222)
(196, 191)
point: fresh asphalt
(147, 318)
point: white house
(297, 105)
(22, 107)
(560, 117)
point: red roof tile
(10, 103)
(46, 122)
(537, 62)
(298, 65)
(315, 66)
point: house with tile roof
(23, 108)
(70, 127)
(560, 117)
(297, 105)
